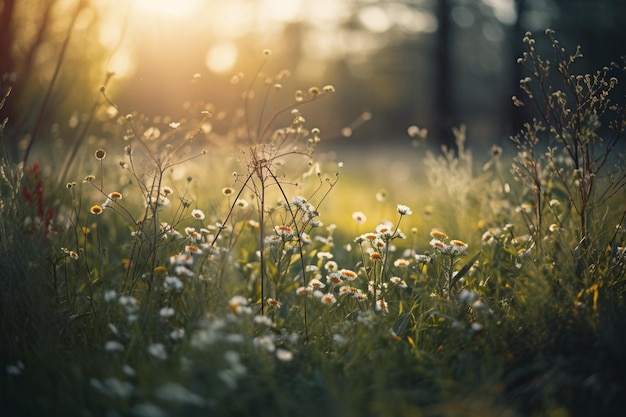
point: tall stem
(261, 242)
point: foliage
(123, 293)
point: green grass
(486, 290)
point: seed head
(100, 154)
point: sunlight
(374, 19)
(222, 57)
(169, 8)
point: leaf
(402, 324)
(465, 269)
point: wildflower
(181, 259)
(457, 247)
(398, 281)
(328, 299)
(175, 125)
(73, 255)
(274, 303)
(193, 235)
(197, 214)
(193, 249)
(328, 89)
(239, 305)
(283, 355)
(438, 245)
(113, 346)
(227, 191)
(303, 291)
(110, 295)
(404, 210)
(346, 290)
(554, 202)
(157, 350)
(384, 230)
(381, 195)
(334, 278)
(177, 334)
(348, 274)
(263, 320)
(476, 327)
(554, 227)
(241, 203)
(166, 312)
(265, 343)
(285, 232)
(299, 201)
(165, 190)
(381, 305)
(183, 271)
(100, 154)
(366, 236)
(375, 256)
(305, 239)
(360, 295)
(467, 296)
(160, 269)
(401, 262)
(359, 217)
(315, 223)
(438, 235)
(316, 283)
(130, 305)
(524, 208)
(421, 258)
(324, 255)
(115, 196)
(96, 209)
(331, 266)
(172, 283)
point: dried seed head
(100, 154)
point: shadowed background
(431, 63)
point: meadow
(151, 276)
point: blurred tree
(47, 74)
(445, 106)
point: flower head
(114, 196)
(239, 305)
(348, 274)
(457, 247)
(398, 281)
(96, 209)
(197, 214)
(404, 210)
(359, 217)
(438, 235)
(241, 203)
(100, 154)
(328, 299)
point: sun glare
(169, 8)
(222, 57)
